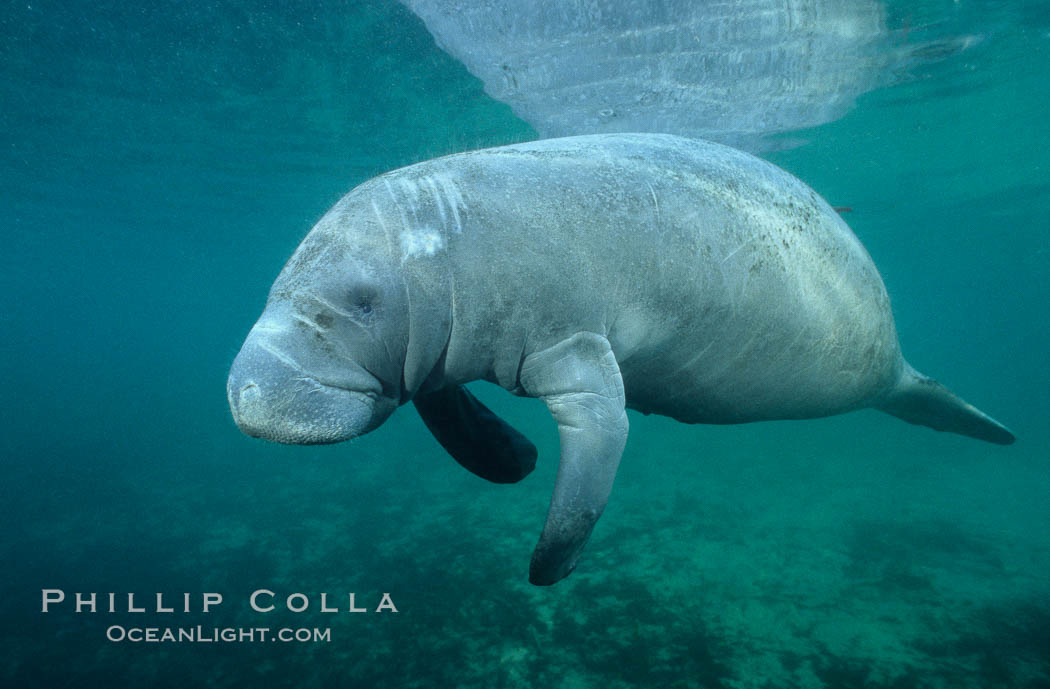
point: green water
(161, 161)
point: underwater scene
(163, 160)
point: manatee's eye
(362, 303)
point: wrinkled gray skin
(668, 275)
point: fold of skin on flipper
(596, 273)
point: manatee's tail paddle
(923, 401)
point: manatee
(597, 273)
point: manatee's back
(715, 275)
(728, 289)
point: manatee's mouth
(270, 397)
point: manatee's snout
(272, 397)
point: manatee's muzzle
(271, 397)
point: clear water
(160, 162)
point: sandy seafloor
(161, 161)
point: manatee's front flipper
(580, 381)
(475, 437)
